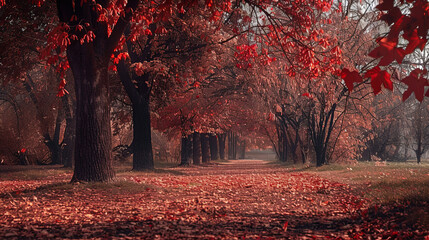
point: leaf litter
(243, 200)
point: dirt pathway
(243, 199)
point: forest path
(242, 199)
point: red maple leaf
(385, 5)
(350, 78)
(392, 16)
(378, 78)
(414, 42)
(387, 51)
(416, 84)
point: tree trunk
(89, 62)
(232, 145)
(222, 138)
(283, 144)
(190, 149)
(68, 142)
(184, 152)
(320, 155)
(214, 149)
(138, 90)
(69, 134)
(419, 157)
(54, 143)
(205, 147)
(142, 139)
(243, 149)
(230, 140)
(196, 154)
(93, 132)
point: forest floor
(243, 199)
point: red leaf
(378, 78)
(23, 150)
(387, 51)
(285, 226)
(392, 16)
(385, 5)
(414, 42)
(350, 78)
(306, 95)
(61, 88)
(416, 84)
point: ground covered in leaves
(244, 199)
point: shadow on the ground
(179, 229)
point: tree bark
(214, 149)
(196, 154)
(184, 152)
(89, 62)
(232, 145)
(321, 132)
(93, 132)
(69, 134)
(189, 150)
(205, 147)
(222, 138)
(53, 143)
(243, 149)
(138, 90)
(142, 138)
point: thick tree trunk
(190, 148)
(196, 153)
(205, 147)
(320, 155)
(142, 138)
(89, 62)
(184, 152)
(140, 99)
(232, 145)
(214, 149)
(222, 138)
(93, 131)
(138, 90)
(243, 149)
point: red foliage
(350, 78)
(411, 25)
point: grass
(392, 183)
(9, 172)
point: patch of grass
(393, 182)
(397, 190)
(31, 172)
(221, 161)
(119, 186)
(166, 164)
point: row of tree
(192, 69)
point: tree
(90, 39)
(420, 130)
